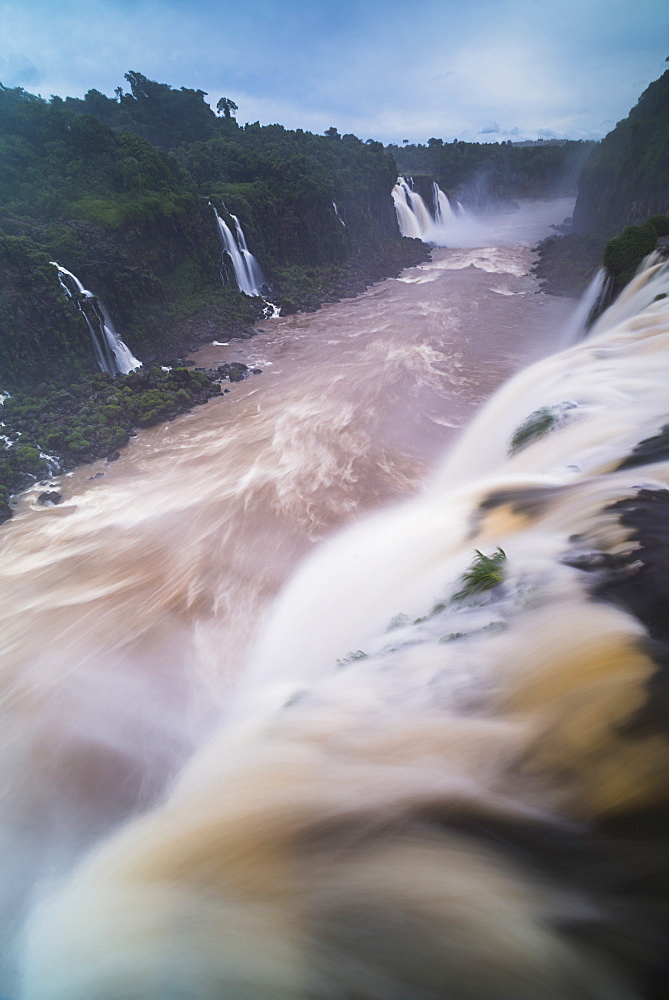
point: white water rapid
(439, 224)
(111, 353)
(420, 772)
(413, 216)
(248, 273)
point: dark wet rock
(591, 561)
(567, 262)
(642, 589)
(98, 475)
(113, 456)
(50, 498)
(236, 371)
(652, 449)
(256, 371)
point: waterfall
(413, 215)
(336, 212)
(445, 771)
(442, 206)
(248, 273)
(113, 356)
(587, 306)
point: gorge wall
(119, 193)
(626, 179)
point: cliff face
(626, 178)
(159, 280)
(485, 175)
(38, 327)
(134, 224)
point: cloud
(433, 68)
(16, 70)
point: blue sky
(482, 70)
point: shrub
(484, 573)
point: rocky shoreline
(309, 290)
(50, 428)
(567, 262)
(55, 430)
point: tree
(225, 107)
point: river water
(130, 609)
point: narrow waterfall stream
(111, 353)
(247, 271)
(388, 782)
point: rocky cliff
(626, 177)
(135, 222)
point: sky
(480, 70)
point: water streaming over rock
(440, 773)
(336, 212)
(416, 219)
(111, 353)
(589, 304)
(248, 273)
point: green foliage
(82, 179)
(532, 428)
(660, 224)
(37, 324)
(29, 459)
(484, 573)
(481, 173)
(55, 162)
(626, 177)
(95, 416)
(538, 424)
(624, 253)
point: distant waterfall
(248, 273)
(336, 212)
(589, 304)
(442, 206)
(413, 215)
(113, 356)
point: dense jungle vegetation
(480, 175)
(624, 185)
(119, 190)
(626, 178)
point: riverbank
(567, 262)
(53, 426)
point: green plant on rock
(624, 253)
(660, 224)
(537, 425)
(484, 573)
(541, 422)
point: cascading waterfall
(414, 217)
(248, 273)
(336, 212)
(445, 771)
(588, 306)
(442, 206)
(111, 353)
